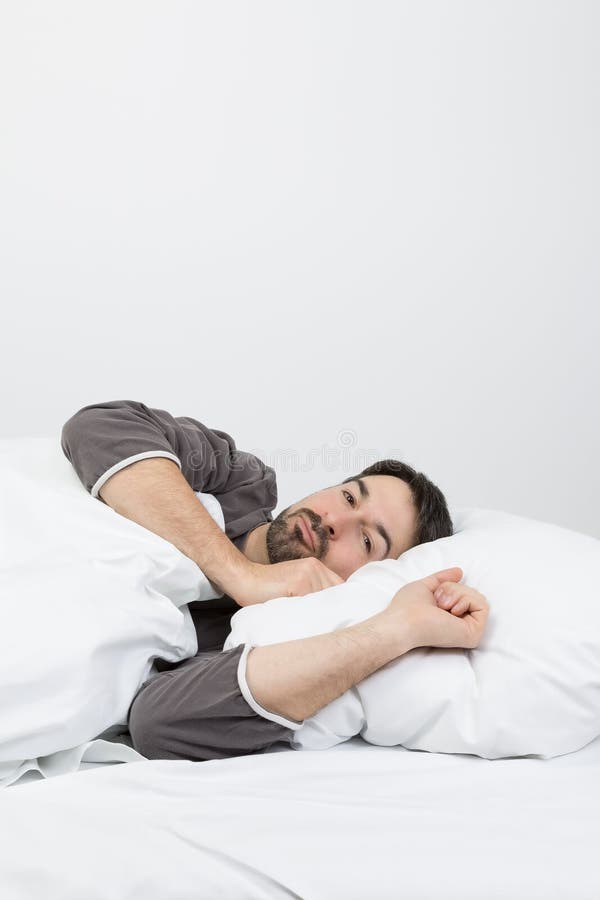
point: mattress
(355, 821)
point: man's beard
(285, 540)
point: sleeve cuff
(127, 462)
(265, 713)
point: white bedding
(356, 821)
(88, 600)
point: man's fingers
(459, 598)
(432, 582)
(448, 592)
(460, 608)
(332, 579)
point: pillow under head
(531, 687)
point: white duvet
(89, 599)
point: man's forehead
(378, 488)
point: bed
(489, 785)
(355, 821)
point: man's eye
(367, 538)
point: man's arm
(154, 493)
(197, 711)
(295, 679)
(146, 464)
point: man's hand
(441, 612)
(294, 578)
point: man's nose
(336, 524)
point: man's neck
(255, 546)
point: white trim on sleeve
(127, 462)
(241, 676)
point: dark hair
(433, 518)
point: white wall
(314, 224)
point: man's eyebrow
(364, 493)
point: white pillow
(531, 688)
(89, 599)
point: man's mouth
(307, 533)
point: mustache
(318, 532)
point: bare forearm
(297, 678)
(154, 493)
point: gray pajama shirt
(194, 709)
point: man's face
(347, 527)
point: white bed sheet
(355, 821)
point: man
(147, 465)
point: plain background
(338, 231)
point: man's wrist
(397, 635)
(229, 576)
